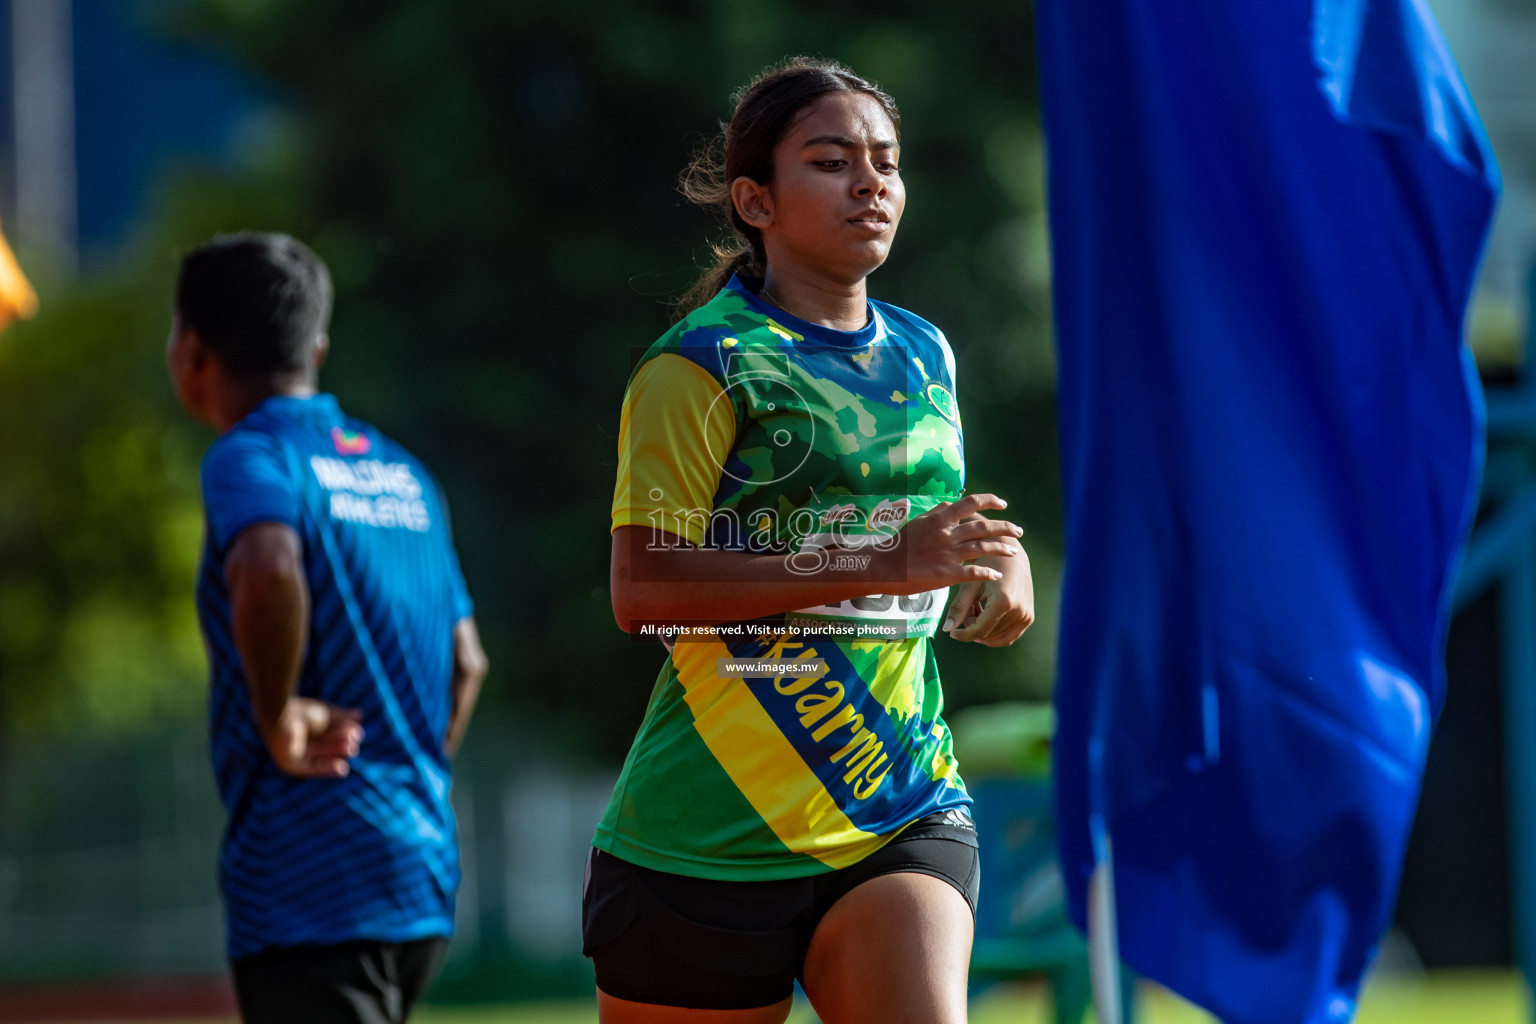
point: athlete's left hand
(994, 612)
(315, 740)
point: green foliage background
(493, 186)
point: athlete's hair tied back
(763, 112)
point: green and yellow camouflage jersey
(746, 429)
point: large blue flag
(1266, 216)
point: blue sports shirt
(373, 855)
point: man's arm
(469, 668)
(269, 612)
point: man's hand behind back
(269, 606)
(313, 739)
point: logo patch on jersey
(348, 443)
(940, 398)
(889, 513)
(840, 514)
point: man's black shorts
(349, 983)
(674, 940)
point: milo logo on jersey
(889, 516)
(849, 532)
(840, 514)
(851, 521)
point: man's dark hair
(259, 301)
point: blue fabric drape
(1265, 218)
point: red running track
(98, 1003)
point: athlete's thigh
(612, 1010)
(894, 950)
(671, 947)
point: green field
(1446, 997)
(1443, 998)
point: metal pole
(1104, 939)
(43, 116)
(1517, 628)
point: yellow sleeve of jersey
(675, 431)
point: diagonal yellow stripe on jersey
(767, 770)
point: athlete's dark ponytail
(764, 111)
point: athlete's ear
(199, 354)
(193, 370)
(322, 349)
(180, 342)
(753, 202)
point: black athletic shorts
(350, 983)
(675, 940)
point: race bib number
(845, 536)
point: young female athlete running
(790, 493)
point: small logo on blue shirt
(348, 443)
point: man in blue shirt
(345, 660)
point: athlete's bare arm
(469, 668)
(693, 585)
(269, 614)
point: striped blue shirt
(373, 855)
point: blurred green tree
(100, 522)
(493, 185)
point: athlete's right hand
(937, 547)
(314, 740)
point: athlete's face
(836, 195)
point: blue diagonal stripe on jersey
(888, 807)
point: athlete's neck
(236, 397)
(840, 306)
